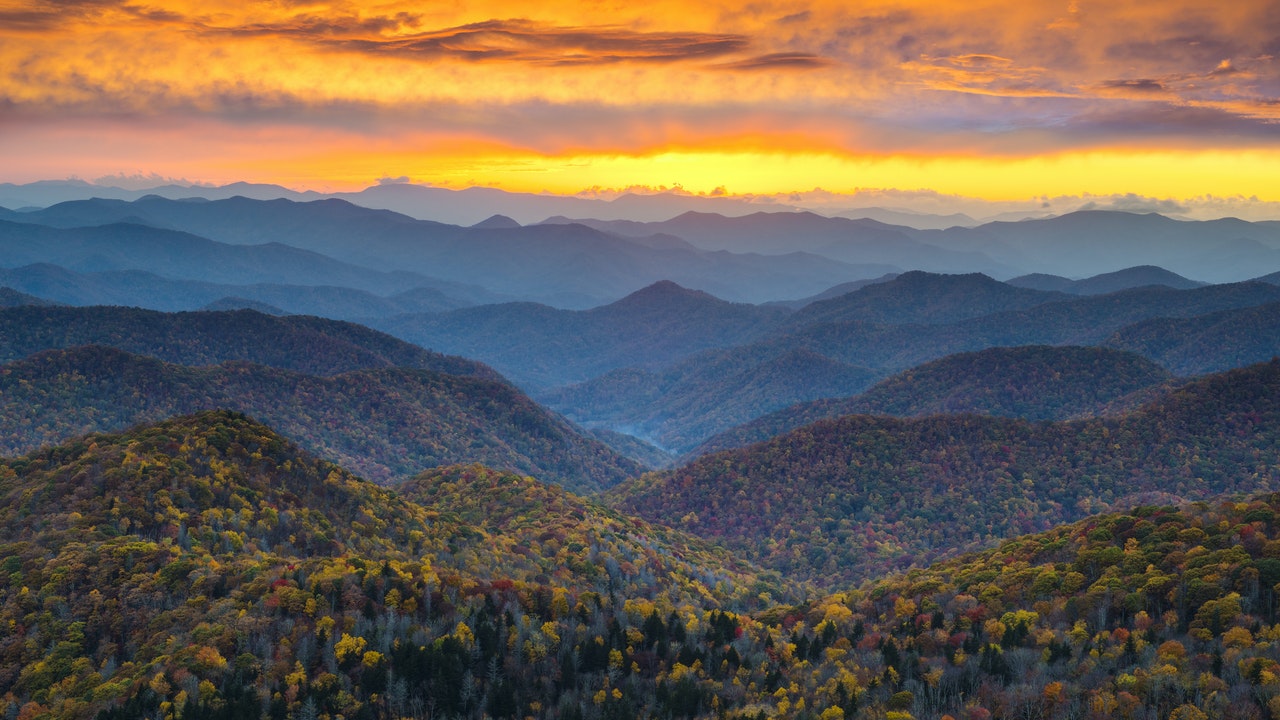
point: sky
(1002, 101)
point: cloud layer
(558, 79)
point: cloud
(512, 41)
(777, 61)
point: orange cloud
(544, 83)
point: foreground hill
(386, 423)
(1035, 382)
(549, 518)
(204, 564)
(850, 497)
(540, 346)
(1156, 611)
(305, 344)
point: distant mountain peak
(497, 222)
(666, 291)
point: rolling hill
(10, 297)
(1206, 343)
(305, 344)
(386, 423)
(184, 256)
(1127, 279)
(539, 346)
(851, 497)
(1033, 382)
(137, 288)
(159, 547)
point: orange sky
(993, 100)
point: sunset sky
(996, 100)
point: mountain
(923, 299)
(1075, 321)
(12, 298)
(868, 352)
(1085, 243)
(496, 222)
(161, 546)
(1206, 343)
(182, 256)
(539, 346)
(1031, 382)
(865, 494)
(680, 407)
(304, 344)
(386, 423)
(458, 207)
(773, 233)
(1134, 277)
(566, 265)
(137, 288)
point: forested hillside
(1034, 382)
(856, 496)
(305, 344)
(204, 567)
(384, 423)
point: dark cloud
(1186, 52)
(524, 41)
(40, 17)
(778, 61)
(1140, 85)
(499, 40)
(321, 29)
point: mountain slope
(565, 265)
(1083, 244)
(184, 256)
(1127, 279)
(137, 288)
(923, 299)
(10, 297)
(869, 351)
(849, 497)
(306, 344)
(680, 407)
(839, 238)
(538, 346)
(205, 564)
(386, 423)
(1034, 382)
(1157, 609)
(1206, 343)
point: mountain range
(252, 511)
